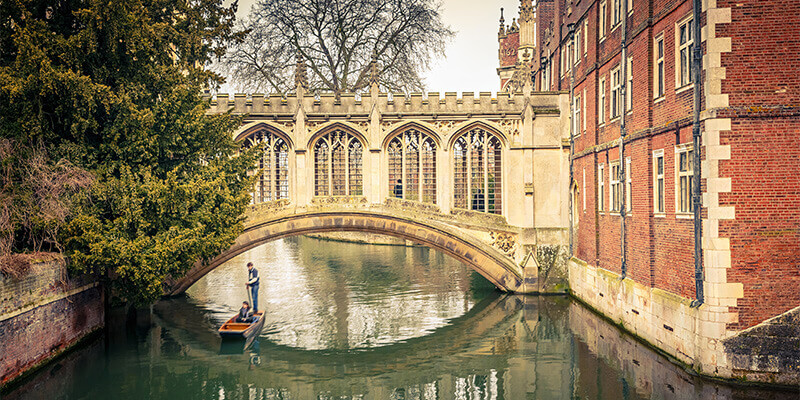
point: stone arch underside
(481, 257)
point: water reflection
(480, 345)
(330, 295)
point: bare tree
(36, 198)
(337, 40)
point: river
(353, 321)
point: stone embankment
(769, 351)
(42, 314)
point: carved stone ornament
(504, 242)
(443, 126)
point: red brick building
(750, 150)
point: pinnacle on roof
(300, 78)
(502, 30)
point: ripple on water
(323, 295)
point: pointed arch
(488, 126)
(421, 126)
(338, 160)
(477, 157)
(411, 154)
(334, 125)
(248, 129)
(273, 163)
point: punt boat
(242, 330)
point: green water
(350, 321)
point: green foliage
(113, 87)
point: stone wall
(695, 336)
(600, 345)
(43, 314)
(361, 237)
(767, 350)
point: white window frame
(688, 47)
(659, 154)
(583, 192)
(584, 99)
(576, 47)
(603, 10)
(659, 71)
(601, 187)
(601, 103)
(629, 86)
(585, 36)
(683, 199)
(576, 115)
(614, 187)
(615, 106)
(628, 186)
(630, 7)
(616, 13)
(570, 53)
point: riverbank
(43, 314)
(696, 337)
(362, 238)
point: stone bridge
(482, 179)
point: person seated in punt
(245, 315)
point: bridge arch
(481, 257)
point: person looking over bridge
(398, 189)
(252, 283)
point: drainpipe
(571, 38)
(623, 131)
(696, 195)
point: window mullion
(347, 167)
(486, 174)
(273, 179)
(403, 155)
(420, 174)
(329, 161)
(468, 175)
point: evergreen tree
(113, 87)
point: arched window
(338, 165)
(273, 178)
(412, 166)
(477, 172)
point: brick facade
(751, 158)
(43, 314)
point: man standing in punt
(252, 283)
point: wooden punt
(242, 330)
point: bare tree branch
(337, 39)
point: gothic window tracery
(273, 167)
(412, 166)
(477, 171)
(338, 165)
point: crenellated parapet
(396, 104)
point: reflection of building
(628, 68)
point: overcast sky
(470, 62)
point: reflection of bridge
(481, 179)
(486, 340)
